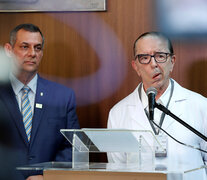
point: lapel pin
(38, 105)
(41, 94)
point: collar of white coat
(162, 100)
(179, 95)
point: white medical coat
(188, 106)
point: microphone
(151, 93)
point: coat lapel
(8, 97)
(136, 111)
(39, 107)
(179, 96)
(139, 119)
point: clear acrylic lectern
(139, 149)
(132, 143)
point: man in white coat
(154, 61)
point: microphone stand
(166, 111)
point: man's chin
(30, 68)
(158, 85)
(29, 71)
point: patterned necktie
(26, 111)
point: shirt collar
(18, 85)
(162, 100)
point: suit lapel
(39, 107)
(8, 97)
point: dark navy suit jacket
(58, 111)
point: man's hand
(37, 177)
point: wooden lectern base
(101, 175)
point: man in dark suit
(38, 114)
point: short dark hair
(158, 34)
(26, 27)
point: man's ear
(134, 66)
(173, 60)
(8, 49)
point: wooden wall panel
(91, 52)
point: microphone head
(151, 90)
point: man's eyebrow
(24, 43)
(38, 46)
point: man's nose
(153, 62)
(32, 51)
